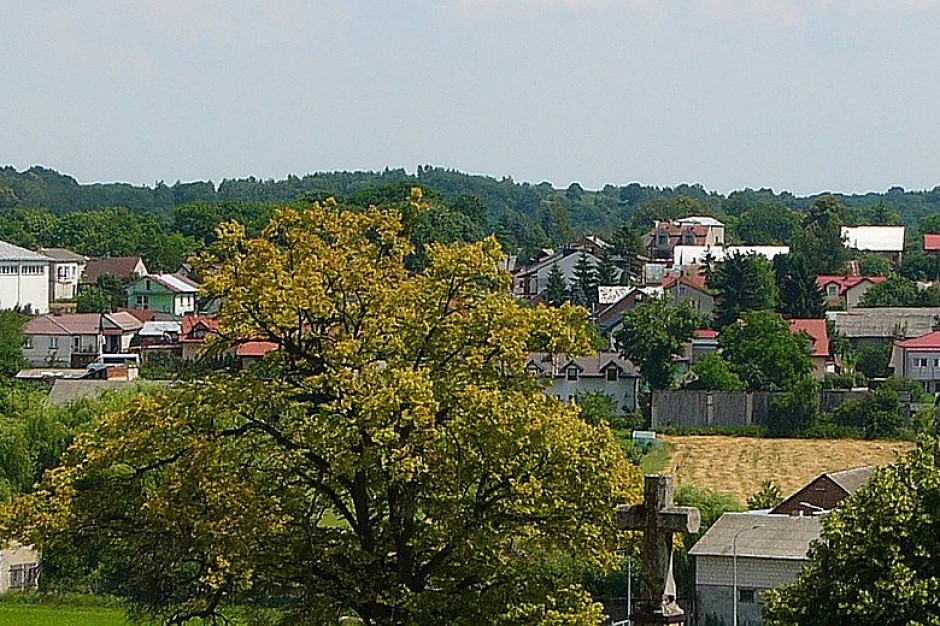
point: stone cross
(658, 519)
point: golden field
(738, 465)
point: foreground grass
(738, 465)
(16, 614)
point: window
(746, 596)
(147, 284)
(28, 342)
(76, 344)
(662, 238)
(8, 269)
(24, 576)
(612, 374)
(53, 343)
(142, 302)
(832, 290)
(688, 238)
(919, 362)
(572, 373)
(64, 272)
(936, 362)
(34, 270)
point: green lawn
(15, 614)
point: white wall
(623, 391)
(43, 351)
(20, 289)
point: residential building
(825, 492)
(532, 280)
(19, 568)
(610, 317)
(65, 272)
(689, 289)
(76, 339)
(887, 241)
(932, 243)
(195, 330)
(166, 293)
(883, 325)
(846, 291)
(605, 372)
(116, 266)
(919, 359)
(24, 279)
(704, 341)
(760, 551)
(818, 333)
(706, 232)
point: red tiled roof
(924, 342)
(696, 282)
(817, 330)
(847, 282)
(706, 333)
(932, 243)
(190, 322)
(255, 348)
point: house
(610, 317)
(761, 551)
(19, 568)
(887, 241)
(166, 293)
(686, 256)
(704, 341)
(65, 272)
(932, 243)
(918, 359)
(705, 232)
(846, 291)
(605, 372)
(689, 289)
(532, 279)
(116, 266)
(819, 334)
(24, 279)
(825, 492)
(771, 547)
(251, 351)
(77, 339)
(195, 330)
(881, 326)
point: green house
(166, 293)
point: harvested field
(738, 465)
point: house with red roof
(819, 334)
(918, 359)
(690, 231)
(689, 289)
(932, 243)
(77, 339)
(846, 291)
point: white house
(887, 241)
(764, 551)
(605, 372)
(64, 274)
(24, 278)
(19, 568)
(76, 339)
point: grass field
(14, 614)
(738, 465)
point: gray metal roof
(886, 322)
(777, 536)
(9, 252)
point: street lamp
(734, 569)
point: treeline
(165, 223)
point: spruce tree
(584, 289)
(555, 291)
(798, 295)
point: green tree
(873, 360)
(742, 283)
(12, 323)
(871, 264)
(877, 414)
(876, 563)
(820, 239)
(798, 295)
(765, 353)
(767, 497)
(606, 269)
(584, 281)
(898, 291)
(653, 334)
(94, 299)
(555, 290)
(795, 411)
(393, 459)
(767, 224)
(712, 372)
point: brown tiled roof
(65, 324)
(113, 265)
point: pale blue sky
(802, 95)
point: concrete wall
(710, 408)
(21, 289)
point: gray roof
(595, 365)
(63, 255)
(778, 536)
(852, 479)
(886, 322)
(9, 252)
(65, 391)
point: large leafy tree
(798, 295)
(820, 240)
(654, 334)
(393, 459)
(742, 282)
(877, 562)
(898, 291)
(764, 353)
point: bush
(877, 415)
(791, 413)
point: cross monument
(658, 519)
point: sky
(798, 95)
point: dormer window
(612, 374)
(832, 289)
(662, 238)
(572, 373)
(688, 238)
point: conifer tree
(556, 292)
